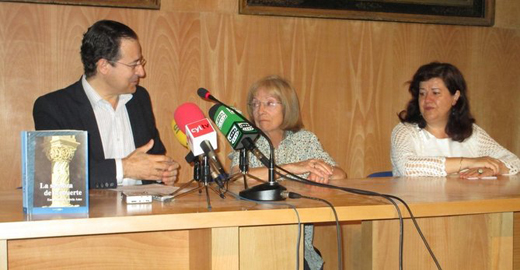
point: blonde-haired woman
(274, 108)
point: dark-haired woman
(437, 135)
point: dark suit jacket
(70, 108)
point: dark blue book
(55, 172)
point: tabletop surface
(427, 197)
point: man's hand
(140, 165)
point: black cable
(294, 195)
(271, 169)
(372, 193)
(412, 217)
(401, 220)
(298, 239)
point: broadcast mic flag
(197, 128)
(235, 128)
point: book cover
(55, 172)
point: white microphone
(200, 132)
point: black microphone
(205, 94)
(243, 162)
(215, 162)
(198, 170)
(270, 191)
(250, 145)
(190, 158)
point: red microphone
(187, 113)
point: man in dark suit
(124, 143)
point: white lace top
(416, 152)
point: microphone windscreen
(187, 113)
(179, 134)
(190, 157)
(203, 93)
(213, 110)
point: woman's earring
(455, 103)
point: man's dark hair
(103, 40)
(460, 122)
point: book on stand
(55, 172)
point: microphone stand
(201, 173)
(206, 175)
(244, 165)
(190, 158)
(270, 191)
(244, 168)
(196, 170)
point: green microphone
(235, 128)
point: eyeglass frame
(141, 62)
(269, 104)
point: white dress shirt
(114, 128)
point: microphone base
(270, 191)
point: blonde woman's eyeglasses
(269, 104)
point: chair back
(380, 174)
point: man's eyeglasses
(133, 66)
(269, 104)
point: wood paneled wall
(350, 75)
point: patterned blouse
(416, 152)
(295, 147)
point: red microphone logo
(200, 128)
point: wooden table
(469, 224)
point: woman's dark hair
(103, 40)
(460, 122)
